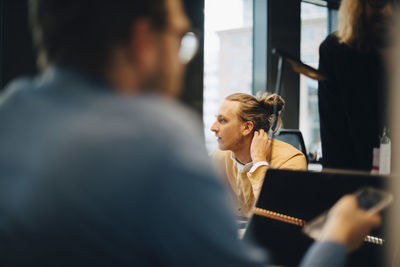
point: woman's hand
(260, 146)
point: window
(314, 26)
(228, 49)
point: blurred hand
(348, 224)
(259, 146)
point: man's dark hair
(82, 33)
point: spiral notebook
(289, 199)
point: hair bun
(270, 100)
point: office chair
(294, 138)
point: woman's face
(228, 127)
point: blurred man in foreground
(100, 166)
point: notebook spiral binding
(299, 222)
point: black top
(351, 104)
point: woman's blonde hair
(351, 28)
(259, 109)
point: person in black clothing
(352, 98)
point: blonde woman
(243, 157)
(352, 99)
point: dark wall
(16, 50)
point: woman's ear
(247, 128)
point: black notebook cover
(305, 195)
